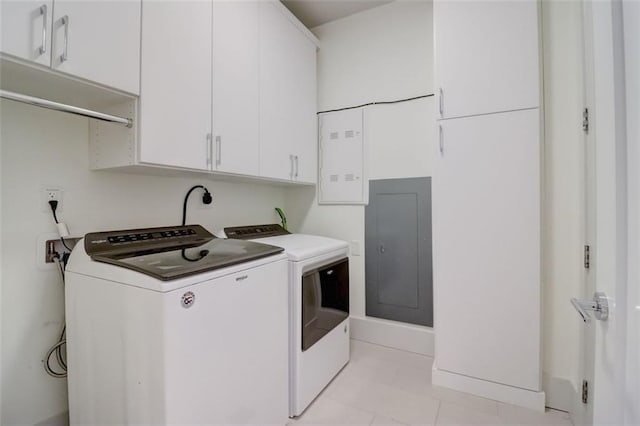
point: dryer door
(325, 301)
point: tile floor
(384, 386)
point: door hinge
(585, 392)
(587, 257)
(585, 120)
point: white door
(611, 360)
(26, 29)
(98, 41)
(175, 95)
(486, 56)
(631, 12)
(486, 230)
(236, 107)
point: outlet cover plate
(51, 192)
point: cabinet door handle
(291, 166)
(296, 159)
(218, 150)
(441, 103)
(65, 53)
(441, 139)
(242, 278)
(43, 12)
(209, 150)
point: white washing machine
(175, 326)
(318, 308)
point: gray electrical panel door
(399, 271)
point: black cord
(54, 205)
(65, 245)
(206, 199)
(58, 349)
(377, 103)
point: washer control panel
(139, 240)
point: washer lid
(302, 246)
(173, 252)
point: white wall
(387, 53)
(42, 147)
(381, 54)
(564, 202)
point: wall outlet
(51, 193)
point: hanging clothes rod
(30, 100)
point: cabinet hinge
(585, 392)
(587, 257)
(585, 120)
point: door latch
(599, 306)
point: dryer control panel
(255, 231)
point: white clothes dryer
(318, 307)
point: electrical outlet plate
(51, 193)
(41, 251)
(42, 244)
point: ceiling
(317, 12)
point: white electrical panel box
(342, 158)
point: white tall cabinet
(486, 198)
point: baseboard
(61, 419)
(561, 394)
(496, 391)
(398, 335)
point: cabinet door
(487, 248)
(305, 145)
(287, 97)
(486, 56)
(98, 41)
(175, 96)
(236, 106)
(26, 29)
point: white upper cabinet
(95, 40)
(225, 86)
(98, 41)
(26, 29)
(175, 95)
(236, 108)
(288, 145)
(486, 56)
